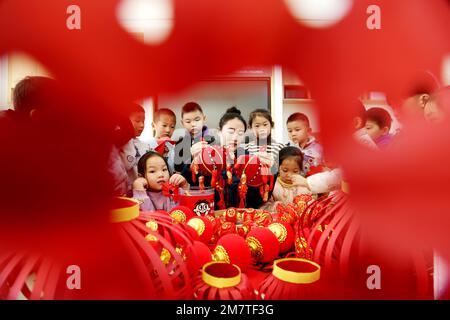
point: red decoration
(222, 281)
(285, 235)
(203, 227)
(253, 173)
(291, 278)
(161, 145)
(263, 245)
(181, 214)
(198, 256)
(171, 191)
(232, 248)
(231, 215)
(262, 218)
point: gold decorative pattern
(256, 248)
(178, 216)
(165, 256)
(152, 225)
(220, 254)
(279, 231)
(220, 282)
(198, 225)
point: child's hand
(197, 148)
(140, 184)
(299, 181)
(178, 180)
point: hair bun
(234, 110)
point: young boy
(378, 124)
(132, 151)
(164, 121)
(300, 135)
(196, 137)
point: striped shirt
(273, 148)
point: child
(132, 151)
(261, 123)
(196, 137)
(378, 124)
(163, 124)
(290, 183)
(360, 133)
(153, 173)
(300, 135)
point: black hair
(380, 116)
(33, 93)
(134, 108)
(260, 113)
(298, 117)
(230, 114)
(142, 163)
(162, 111)
(291, 152)
(190, 107)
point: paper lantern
(285, 235)
(232, 248)
(203, 227)
(181, 214)
(263, 245)
(262, 218)
(222, 281)
(226, 228)
(291, 278)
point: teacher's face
(232, 134)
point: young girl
(290, 182)
(261, 123)
(154, 172)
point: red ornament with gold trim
(231, 215)
(291, 278)
(181, 214)
(202, 226)
(226, 228)
(285, 235)
(262, 218)
(254, 173)
(222, 281)
(232, 248)
(211, 161)
(263, 244)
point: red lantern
(211, 161)
(222, 281)
(291, 278)
(203, 227)
(181, 214)
(285, 235)
(226, 228)
(262, 218)
(232, 248)
(199, 255)
(231, 215)
(263, 244)
(253, 173)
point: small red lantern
(222, 281)
(285, 235)
(199, 254)
(254, 173)
(263, 244)
(181, 214)
(203, 227)
(232, 248)
(291, 278)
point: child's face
(374, 130)
(164, 127)
(232, 134)
(261, 127)
(138, 120)
(193, 122)
(298, 132)
(156, 173)
(288, 168)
